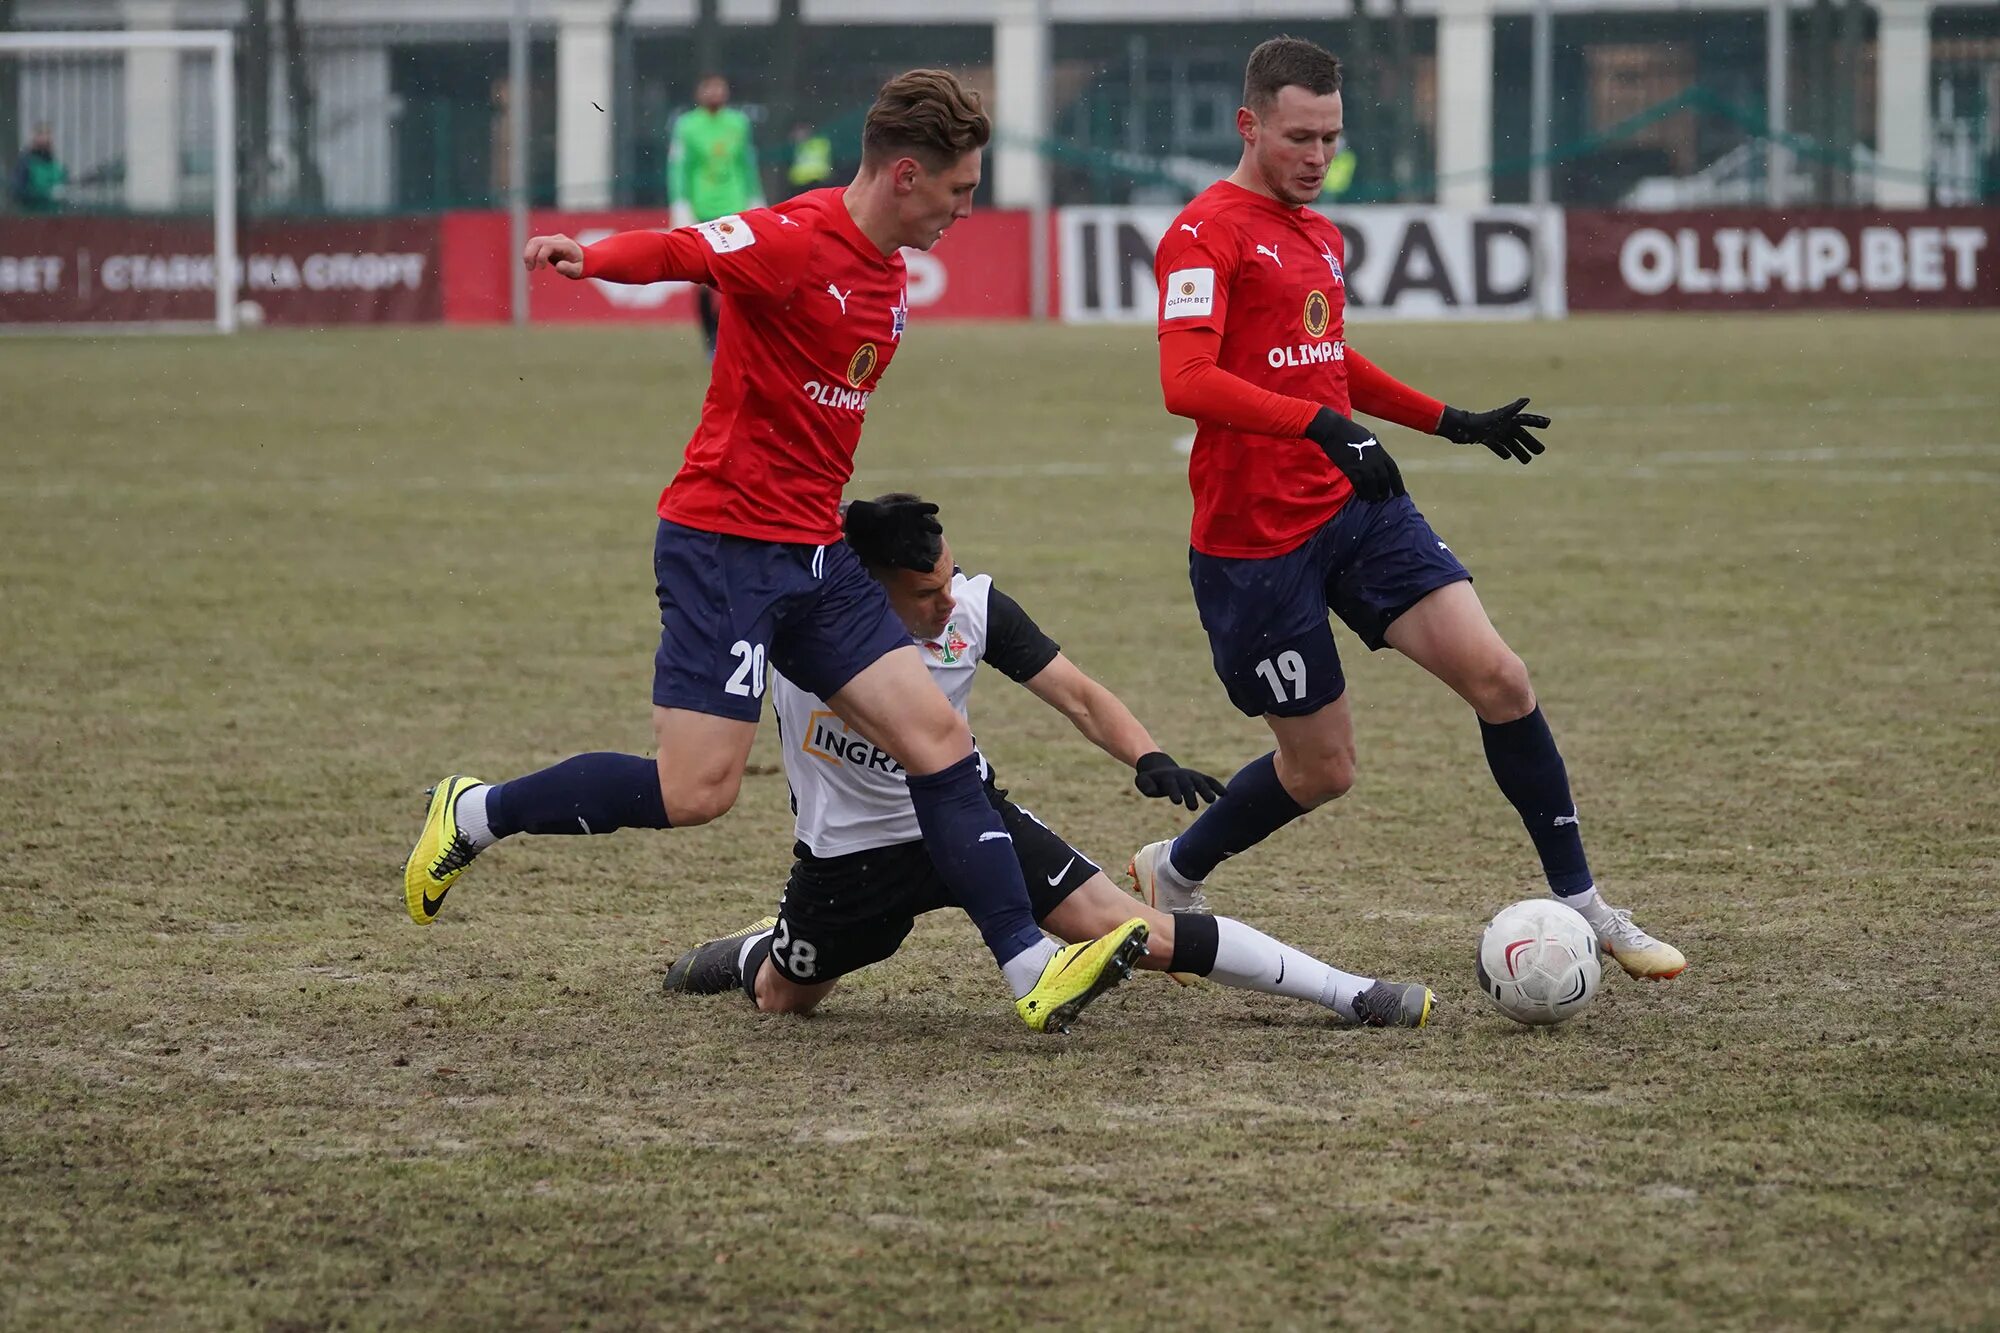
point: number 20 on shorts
(748, 678)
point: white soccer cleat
(1638, 953)
(1163, 895)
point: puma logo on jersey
(1272, 251)
(1194, 229)
(839, 296)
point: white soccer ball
(1539, 962)
(249, 314)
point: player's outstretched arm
(694, 254)
(1504, 430)
(560, 253)
(1108, 724)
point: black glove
(904, 534)
(1353, 448)
(1160, 776)
(1504, 430)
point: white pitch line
(1826, 453)
(1944, 402)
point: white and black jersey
(851, 797)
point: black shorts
(840, 914)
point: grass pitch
(258, 593)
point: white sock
(1248, 959)
(743, 954)
(1590, 902)
(470, 812)
(1167, 871)
(1025, 968)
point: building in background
(399, 105)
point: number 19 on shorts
(1286, 675)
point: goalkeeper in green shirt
(711, 173)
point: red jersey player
(1299, 510)
(749, 563)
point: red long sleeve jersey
(812, 312)
(1252, 308)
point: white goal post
(221, 48)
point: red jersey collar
(1264, 201)
(848, 227)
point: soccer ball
(1539, 962)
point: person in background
(1339, 170)
(812, 158)
(39, 176)
(711, 173)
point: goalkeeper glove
(1504, 430)
(1160, 776)
(1353, 448)
(904, 534)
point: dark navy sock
(1196, 939)
(1253, 807)
(975, 857)
(1526, 764)
(586, 793)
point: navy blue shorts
(730, 606)
(1266, 618)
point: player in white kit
(862, 874)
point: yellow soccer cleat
(1078, 974)
(442, 853)
(1144, 871)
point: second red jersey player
(1298, 510)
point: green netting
(1139, 169)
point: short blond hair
(926, 114)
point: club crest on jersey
(1319, 313)
(863, 365)
(949, 646)
(1333, 265)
